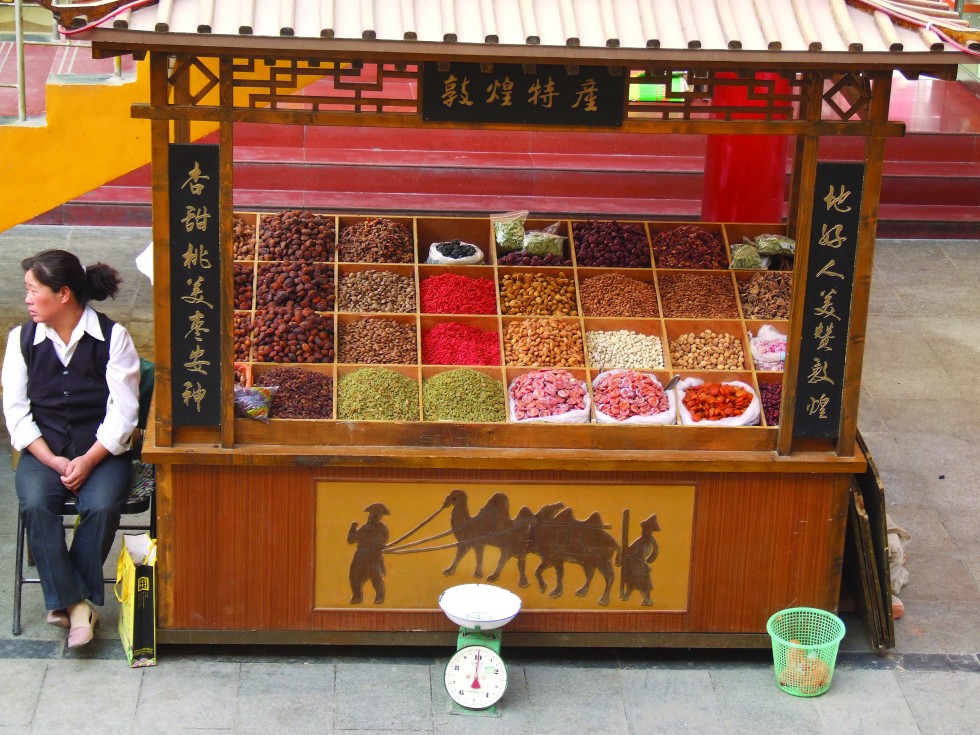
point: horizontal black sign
(827, 304)
(512, 93)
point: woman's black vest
(68, 403)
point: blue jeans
(70, 575)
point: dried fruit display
(543, 393)
(296, 235)
(713, 401)
(376, 240)
(302, 394)
(611, 244)
(624, 394)
(689, 246)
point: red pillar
(745, 175)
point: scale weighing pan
(480, 606)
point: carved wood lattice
(325, 87)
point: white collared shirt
(122, 377)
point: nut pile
(713, 401)
(543, 341)
(463, 395)
(707, 351)
(452, 293)
(243, 276)
(296, 235)
(622, 395)
(243, 239)
(771, 395)
(611, 244)
(296, 285)
(624, 349)
(698, 296)
(376, 240)
(242, 334)
(376, 342)
(377, 394)
(537, 294)
(378, 291)
(282, 334)
(766, 295)
(543, 393)
(689, 246)
(614, 294)
(302, 394)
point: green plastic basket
(804, 649)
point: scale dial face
(476, 677)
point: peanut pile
(614, 294)
(378, 291)
(707, 351)
(537, 294)
(544, 341)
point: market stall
(439, 422)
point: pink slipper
(81, 635)
(58, 618)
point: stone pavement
(919, 414)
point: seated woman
(70, 398)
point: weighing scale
(476, 677)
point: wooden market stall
(668, 534)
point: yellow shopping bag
(136, 591)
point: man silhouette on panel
(368, 562)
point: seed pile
(378, 291)
(766, 295)
(771, 395)
(543, 341)
(689, 246)
(463, 395)
(614, 294)
(521, 257)
(625, 394)
(546, 393)
(296, 285)
(707, 351)
(698, 296)
(377, 394)
(302, 394)
(537, 294)
(714, 401)
(282, 334)
(243, 239)
(451, 293)
(242, 335)
(610, 244)
(296, 235)
(451, 343)
(376, 342)
(243, 275)
(376, 240)
(624, 349)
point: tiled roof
(724, 29)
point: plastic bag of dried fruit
(548, 396)
(696, 409)
(254, 402)
(632, 397)
(508, 230)
(768, 348)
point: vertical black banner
(827, 305)
(195, 285)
